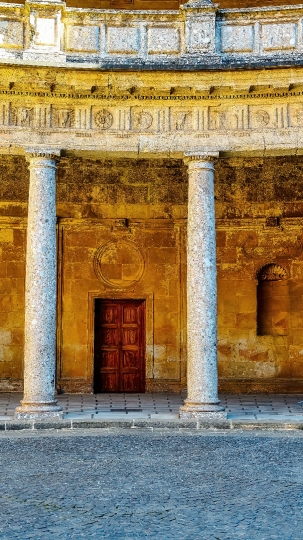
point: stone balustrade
(198, 35)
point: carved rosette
(103, 119)
(272, 272)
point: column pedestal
(40, 293)
(202, 372)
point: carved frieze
(237, 122)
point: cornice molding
(151, 97)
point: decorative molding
(200, 157)
(199, 35)
(272, 272)
(191, 118)
(146, 94)
(45, 154)
(119, 264)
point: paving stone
(149, 486)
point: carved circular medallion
(262, 118)
(104, 119)
(119, 264)
(142, 120)
(272, 272)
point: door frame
(149, 328)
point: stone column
(202, 372)
(40, 292)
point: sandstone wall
(139, 208)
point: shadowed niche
(272, 301)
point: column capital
(200, 157)
(43, 153)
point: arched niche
(272, 301)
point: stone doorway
(119, 352)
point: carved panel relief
(142, 119)
(221, 118)
(181, 119)
(123, 40)
(277, 37)
(82, 38)
(201, 35)
(163, 40)
(22, 116)
(11, 34)
(237, 38)
(63, 117)
(103, 119)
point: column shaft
(202, 371)
(40, 293)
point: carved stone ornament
(22, 116)
(262, 118)
(119, 264)
(142, 120)
(272, 272)
(103, 119)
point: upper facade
(198, 35)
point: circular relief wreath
(142, 120)
(104, 119)
(119, 264)
(262, 118)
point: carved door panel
(119, 346)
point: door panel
(109, 315)
(131, 382)
(130, 359)
(131, 336)
(119, 346)
(110, 359)
(131, 314)
(109, 382)
(110, 336)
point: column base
(202, 411)
(38, 411)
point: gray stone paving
(143, 485)
(163, 406)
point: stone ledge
(179, 425)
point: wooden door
(119, 345)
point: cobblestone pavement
(159, 406)
(212, 486)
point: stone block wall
(12, 273)
(121, 233)
(138, 208)
(259, 221)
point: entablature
(129, 117)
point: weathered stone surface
(40, 292)
(199, 34)
(202, 371)
(108, 203)
(259, 215)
